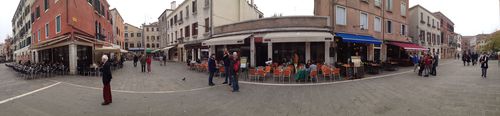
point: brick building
(448, 36)
(68, 31)
(376, 30)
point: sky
(470, 18)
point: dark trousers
(143, 68)
(106, 93)
(421, 70)
(234, 82)
(434, 71)
(228, 74)
(211, 77)
(484, 71)
(135, 64)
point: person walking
(136, 58)
(211, 69)
(143, 63)
(435, 63)
(464, 59)
(415, 59)
(164, 60)
(148, 62)
(235, 63)
(484, 64)
(106, 80)
(421, 64)
(227, 66)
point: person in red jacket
(428, 64)
(148, 61)
(235, 63)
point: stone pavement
(457, 90)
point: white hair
(235, 54)
(104, 58)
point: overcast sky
(470, 18)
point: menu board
(243, 62)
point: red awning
(408, 46)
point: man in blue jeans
(211, 68)
(484, 64)
(235, 63)
(227, 66)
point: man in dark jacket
(227, 66)
(212, 67)
(435, 63)
(136, 58)
(484, 64)
(106, 80)
(143, 63)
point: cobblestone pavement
(456, 91)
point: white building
(21, 26)
(188, 24)
(425, 29)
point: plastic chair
(252, 73)
(326, 72)
(221, 71)
(277, 73)
(261, 73)
(336, 73)
(287, 73)
(314, 75)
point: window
(147, 29)
(147, 38)
(377, 24)
(46, 4)
(139, 45)
(433, 23)
(421, 17)
(181, 14)
(388, 5)
(207, 3)
(58, 24)
(37, 12)
(126, 35)
(38, 35)
(153, 38)
(147, 45)
(89, 1)
(428, 20)
(403, 29)
(157, 29)
(158, 38)
(389, 26)
(422, 36)
(131, 45)
(187, 11)
(194, 7)
(187, 31)
(363, 21)
(126, 27)
(158, 45)
(46, 30)
(340, 15)
(207, 25)
(403, 9)
(152, 45)
(195, 29)
(131, 34)
(377, 3)
(180, 33)
(139, 35)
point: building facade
(259, 40)
(376, 23)
(118, 27)
(8, 49)
(448, 36)
(466, 44)
(133, 38)
(193, 20)
(68, 31)
(21, 27)
(425, 29)
(151, 38)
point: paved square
(457, 91)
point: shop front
(400, 52)
(233, 43)
(364, 47)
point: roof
(117, 13)
(132, 25)
(443, 16)
(419, 6)
(165, 12)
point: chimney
(173, 5)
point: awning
(352, 38)
(136, 49)
(123, 51)
(408, 46)
(107, 49)
(167, 48)
(228, 40)
(281, 37)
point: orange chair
(314, 75)
(252, 73)
(336, 73)
(287, 73)
(326, 72)
(277, 73)
(261, 73)
(267, 70)
(222, 71)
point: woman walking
(106, 80)
(148, 61)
